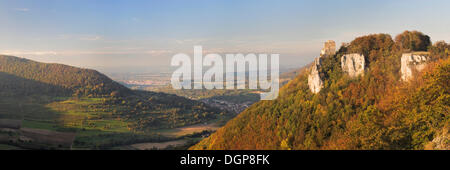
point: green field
(97, 125)
(9, 147)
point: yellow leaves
(321, 110)
(285, 144)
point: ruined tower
(329, 48)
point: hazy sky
(139, 33)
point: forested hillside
(75, 81)
(373, 111)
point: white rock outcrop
(411, 62)
(314, 81)
(441, 141)
(353, 64)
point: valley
(89, 124)
(54, 106)
(343, 100)
(44, 111)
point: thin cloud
(91, 38)
(21, 9)
(93, 52)
(159, 52)
(33, 53)
(80, 37)
(134, 19)
(190, 41)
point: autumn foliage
(375, 111)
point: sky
(127, 34)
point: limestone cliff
(412, 62)
(440, 142)
(314, 81)
(353, 64)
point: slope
(374, 111)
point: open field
(160, 145)
(88, 123)
(10, 123)
(9, 147)
(187, 130)
(60, 139)
(60, 120)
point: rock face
(353, 64)
(412, 62)
(329, 48)
(440, 142)
(314, 81)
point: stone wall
(353, 64)
(329, 48)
